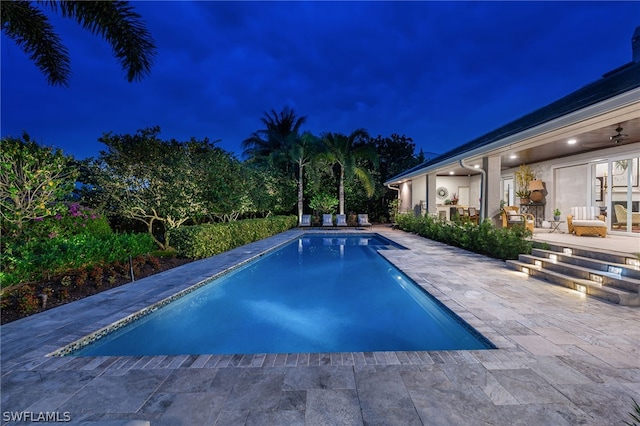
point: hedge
(486, 239)
(200, 241)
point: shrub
(81, 277)
(33, 173)
(35, 260)
(200, 241)
(27, 300)
(486, 239)
(96, 275)
(70, 219)
(324, 203)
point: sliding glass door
(624, 195)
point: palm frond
(120, 26)
(635, 415)
(31, 30)
(365, 179)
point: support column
(432, 202)
(418, 193)
(492, 192)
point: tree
(115, 21)
(268, 191)
(271, 146)
(303, 150)
(33, 180)
(223, 185)
(396, 154)
(345, 151)
(144, 178)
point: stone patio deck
(562, 359)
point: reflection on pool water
(319, 293)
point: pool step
(608, 276)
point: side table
(555, 226)
(536, 209)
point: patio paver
(562, 359)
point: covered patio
(611, 243)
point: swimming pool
(318, 293)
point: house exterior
(584, 147)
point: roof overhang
(590, 126)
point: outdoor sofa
(586, 221)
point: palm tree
(346, 151)
(303, 149)
(115, 21)
(271, 146)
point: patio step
(592, 253)
(600, 275)
(616, 266)
(588, 287)
(614, 277)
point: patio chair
(586, 221)
(341, 220)
(473, 215)
(363, 220)
(511, 217)
(327, 220)
(305, 220)
(621, 216)
(462, 215)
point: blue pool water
(319, 293)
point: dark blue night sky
(442, 73)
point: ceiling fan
(619, 137)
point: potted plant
(524, 196)
(556, 214)
(523, 176)
(454, 199)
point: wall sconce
(536, 187)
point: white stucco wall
(453, 183)
(405, 197)
(418, 192)
(474, 191)
(571, 189)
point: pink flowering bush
(74, 219)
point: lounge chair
(363, 220)
(327, 220)
(341, 220)
(512, 217)
(621, 216)
(305, 220)
(586, 221)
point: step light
(553, 258)
(581, 288)
(538, 263)
(525, 270)
(632, 262)
(567, 251)
(614, 270)
(598, 279)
